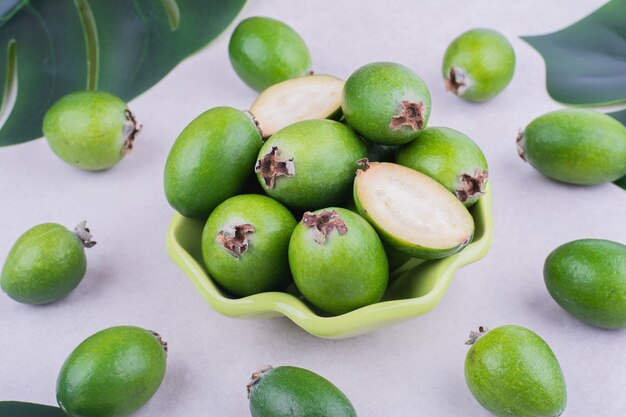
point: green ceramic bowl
(414, 289)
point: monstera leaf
(49, 48)
(18, 409)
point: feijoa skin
(588, 279)
(245, 244)
(512, 372)
(575, 146)
(386, 103)
(211, 161)
(46, 263)
(288, 391)
(478, 65)
(451, 158)
(91, 130)
(265, 51)
(112, 373)
(310, 164)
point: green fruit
(337, 260)
(310, 164)
(386, 103)
(478, 64)
(211, 161)
(377, 152)
(112, 373)
(288, 391)
(588, 279)
(91, 130)
(245, 242)
(412, 212)
(265, 51)
(576, 146)
(46, 263)
(512, 372)
(451, 158)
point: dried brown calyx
(235, 239)
(160, 339)
(131, 130)
(475, 335)
(364, 164)
(520, 146)
(457, 81)
(256, 377)
(472, 185)
(324, 223)
(411, 115)
(270, 167)
(84, 234)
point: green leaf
(49, 48)
(586, 62)
(19, 409)
(621, 116)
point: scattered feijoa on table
(265, 51)
(512, 372)
(112, 373)
(91, 130)
(211, 161)
(245, 244)
(411, 211)
(576, 146)
(288, 391)
(451, 158)
(588, 279)
(337, 260)
(478, 64)
(310, 164)
(46, 263)
(386, 103)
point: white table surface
(412, 369)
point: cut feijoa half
(411, 211)
(291, 101)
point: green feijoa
(211, 161)
(588, 279)
(478, 64)
(337, 260)
(310, 164)
(377, 152)
(265, 51)
(451, 158)
(112, 373)
(91, 130)
(288, 391)
(386, 103)
(576, 146)
(245, 243)
(46, 263)
(512, 372)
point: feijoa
(288, 391)
(451, 158)
(386, 103)
(588, 279)
(211, 161)
(112, 373)
(337, 260)
(265, 51)
(245, 243)
(576, 146)
(512, 372)
(46, 263)
(91, 130)
(478, 64)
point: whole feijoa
(337, 260)
(512, 372)
(46, 263)
(112, 373)
(288, 391)
(386, 103)
(265, 51)
(576, 146)
(478, 64)
(451, 158)
(245, 244)
(310, 164)
(211, 161)
(91, 130)
(587, 278)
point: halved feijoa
(411, 211)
